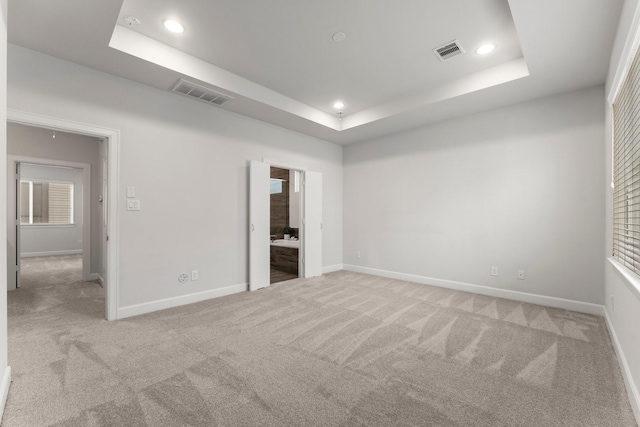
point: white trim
(283, 165)
(112, 136)
(4, 389)
(628, 53)
(632, 389)
(582, 307)
(331, 268)
(149, 307)
(52, 253)
(96, 276)
(630, 279)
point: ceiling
(279, 62)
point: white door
(259, 226)
(13, 227)
(312, 224)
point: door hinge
(303, 260)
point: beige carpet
(345, 349)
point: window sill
(630, 279)
(34, 226)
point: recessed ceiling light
(485, 48)
(173, 26)
(338, 105)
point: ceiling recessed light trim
(173, 26)
(485, 48)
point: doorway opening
(309, 233)
(285, 235)
(99, 236)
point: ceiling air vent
(200, 93)
(448, 50)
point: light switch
(131, 191)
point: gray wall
(189, 164)
(517, 188)
(36, 240)
(38, 143)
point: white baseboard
(148, 307)
(582, 307)
(332, 268)
(4, 389)
(50, 253)
(96, 276)
(632, 389)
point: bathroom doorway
(284, 224)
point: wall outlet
(194, 274)
(494, 271)
(358, 254)
(520, 274)
(183, 277)
(612, 303)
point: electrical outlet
(520, 274)
(612, 303)
(494, 271)
(194, 274)
(358, 254)
(183, 277)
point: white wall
(5, 370)
(622, 303)
(519, 187)
(38, 240)
(189, 164)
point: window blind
(626, 170)
(60, 199)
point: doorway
(285, 231)
(49, 203)
(309, 232)
(107, 182)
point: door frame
(112, 138)
(13, 160)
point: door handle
(253, 228)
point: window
(44, 202)
(276, 186)
(626, 167)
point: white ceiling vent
(448, 50)
(200, 93)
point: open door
(259, 273)
(312, 224)
(13, 226)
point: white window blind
(626, 169)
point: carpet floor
(345, 349)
